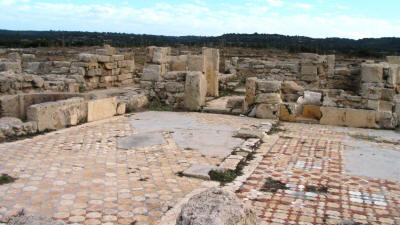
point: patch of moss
(156, 105)
(223, 176)
(365, 138)
(272, 185)
(6, 179)
(316, 189)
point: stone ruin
(40, 95)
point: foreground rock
(216, 207)
(34, 220)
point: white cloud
(302, 6)
(188, 19)
(275, 3)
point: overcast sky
(315, 18)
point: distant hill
(375, 47)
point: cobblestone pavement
(78, 175)
(302, 180)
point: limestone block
(28, 57)
(360, 118)
(211, 70)
(195, 63)
(195, 90)
(175, 75)
(393, 75)
(307, 70)
(291, 87)
(152, 73)
(288, 112)
(107, 50)
(333, 116)
(251, 86)
(397, 111)
(178, 63)
(371, 73)
(268, 98)
(387, 94)
(235, 102)
(93, 72)
(267, 111)
(85, 57)
(101, 109)
(121, 108)
(124, 77)
(59, 114)
(393, 59)
(372, 104)
(387, 120)
(104, 58)
(117, 58)
(266, 86)
(385, 106)
(161, 55)
(33, 67)
(111, 65)
(10, 66)
(174, 87)
(312, 112)
(217, 207)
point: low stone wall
(104, 69)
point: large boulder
(216, 207)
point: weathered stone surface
(387, 120)
(195, 63)
(385, 106)
(160, 55)
(371, 73)
(121, 108)
(312, 112)
(290, 87)
(393, 59)
(152, 73)
(59, 114)
(178, 63)
(267, 86)
(287, 112)
(360, 118)
(136, 141)
(333, 116)
(211, 70)
(268, 98)
(101, 109)
(310, 98)
(248, 133)
(216, 207)
(13, 127)
(34, 220)
(309, 70)
(195, 90)
(267, 111)
(85, 57)
(251, 86)
(199, 171)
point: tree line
(367, 47)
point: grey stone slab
(372, 161)
(199, 171)
(187, 132)
(140, 141)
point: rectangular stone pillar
(211, 70)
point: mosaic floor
(302, 179)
